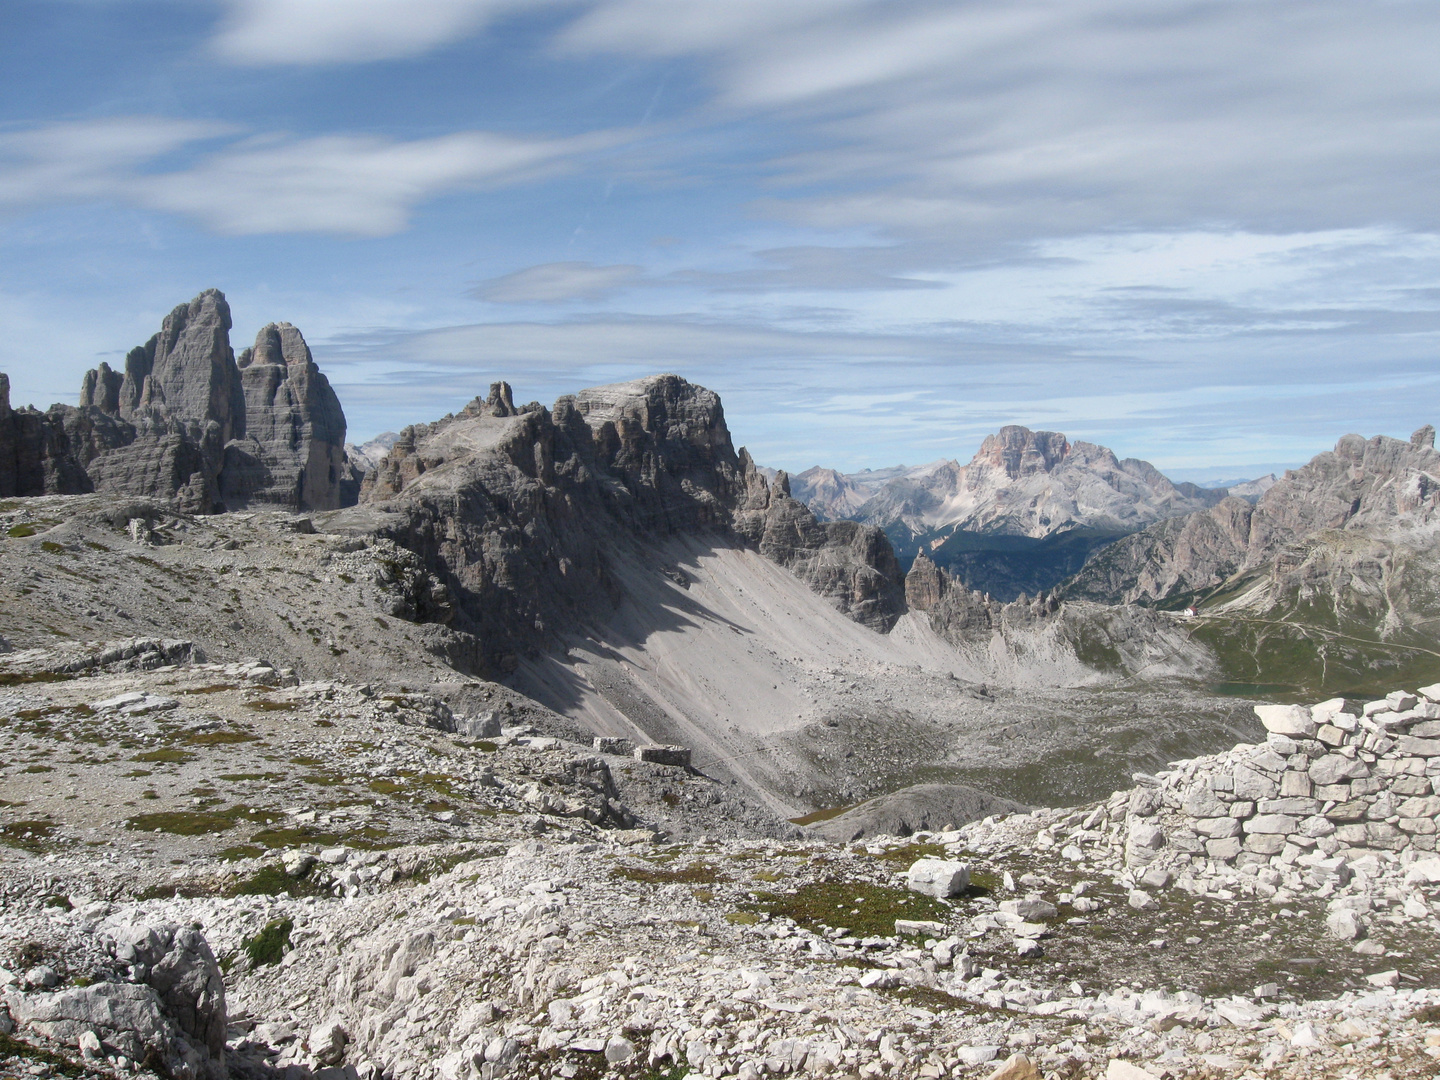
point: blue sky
(1203, 233)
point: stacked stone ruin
(1332, 784)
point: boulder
(1292, 720)
(938, 877)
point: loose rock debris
(386, 897)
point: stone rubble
(588, 946)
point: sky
(1201, 233)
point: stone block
(1265, 843)
(938, 877)
(606, 744)
(1332, 792)
(1424, 826)
(1354, 810)
(1333, 768)
(1202, 803)
(1294, 720)
(482, 726)
(1296, 806)
(1317, 826)
(1293, 783)
(1330, 735)
(1031, 908)
(1354, 835)
(1427, 806)
(664, 755)
(1277, 824)
(1411, 786)
(1218, 828)
(1224, 849)
(1426, 748)
(1252, 784)
(918, 927)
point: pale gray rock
(1292, 720)
(938, 877)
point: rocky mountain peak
(187, 372)
(1424, 438)
(186, 422)
(1022, 452)
(278, 344)
(501, 401)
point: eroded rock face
(185, 424)
(523, 512)
(293, 452)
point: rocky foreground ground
(215, 869)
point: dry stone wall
(1335, 780)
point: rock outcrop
(293, 451)
(169, 1016)
(520, 511)
(1383, 489)
(185, 424)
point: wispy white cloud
(266, 32)
(345, 184)
(557, 282)
(85, 159)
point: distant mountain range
(1028, 510)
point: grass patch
(19, 532)
(742, 918)
(240, 851)
(12, 678)
(273, 881)
(235, 777)
(37, 769)
(13, 1047)
(173, 757)
(694, 874)
(817, 816)
(217, 688)
(283, 838)
(219, 738)
(51, 547)
(198, 822)
(909, 853)
(866, 910)
(266, 705)
(29, 836)
(267, 948)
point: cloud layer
(1197, 229)
(343, 184)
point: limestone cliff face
(293, 451)
(533, 517)
(183, 423)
